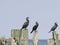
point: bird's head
(56, 24)
(27, 18)
(37, 23)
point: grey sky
(14, 12)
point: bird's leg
(35, 31)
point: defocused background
(14, 12)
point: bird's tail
(31, 31)
(49, 31)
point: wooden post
(35, 38)
(16, 33)
(50, 41)
(24, 37)
(54, 39)
(9, 41)
(3, 39)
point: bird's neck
(27, 20)
(37, 24)
(56, 25)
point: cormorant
(25, 25)
(35, 27)
(54, 27)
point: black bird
(54, 27)
(25, 25)
(35, 27)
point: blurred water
(40, 42)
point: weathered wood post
(54, 39)
(16, 33)
(24, 37)
(35, 38)
(3, 39)
(50, 41)
(9, 41)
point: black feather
(25, 25)
(34, 27)
(54, 27)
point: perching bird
(25, 25)
(35, 27)
(54, 27)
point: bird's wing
(34, 27)
(53, 27)
(25, 23)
